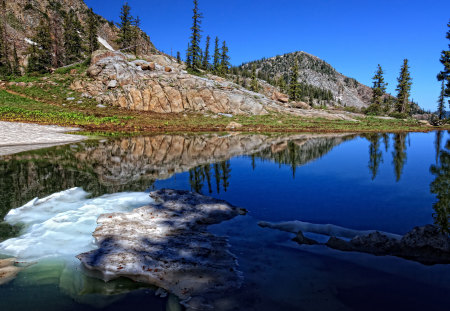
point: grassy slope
(45, 102)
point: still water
(386, 182)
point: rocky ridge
(159, 84)
(316, 72)
(23, 17)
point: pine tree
(5, 65)
(16, 64)
(294, 87)
(224, 60)
(379, 89)
(445, 74)
(41, 53)
(178, 57)
(188, 57)
(126, 28)
(403, 89)
(216, 62)
(206, 57)
(136, 34)
(72, 41)
(254, 86)
(92, 32)
(441, 102)
(194, 47)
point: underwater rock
(427, 244)
(166, 244)
(8, 270)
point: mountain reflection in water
(135, 163)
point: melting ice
(61, 225)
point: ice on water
(61, 225)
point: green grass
(15, 108)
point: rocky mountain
(22, 17)
(316, 76)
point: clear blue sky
(353, 36)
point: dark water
(388, 182)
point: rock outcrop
(167, 245)
(8, 270)
(170, 89)
(427, 244)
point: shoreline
(18, 137)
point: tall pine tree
(136, 35)
(72, 41)
(5, 65)
(92, 31)
(254, 86)
(216, 61)
(444, 75)
(126, 28)
(206, 56)
(379, 89)
(404, 88)
(294, 86)
(441, 103)
(194, 50)
(178, 57)
(224, 60)
(188, 57)
(41, 52)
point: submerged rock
(166, 244)
(427, 244)
(8, 270)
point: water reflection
(441, 186)
(399, 154)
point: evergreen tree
(379, 88)
(136, 34)
(404, 89)
(178, 57)
(224, 60)
(216, 63)
(254, 86)
(376, 156)
(188, 57)
(206, 56)
(445, 74)
(92, 31)
(126, 28)
(5, 65)
(294, 87)
(72, 40)
(441, 102)
(41, 53)
(281, 83)
(16, 65)
(194, 50)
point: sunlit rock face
(166, 244)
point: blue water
(354, 181)
(337, 188)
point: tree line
(197, 59)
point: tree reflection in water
(198, 175)
(441, 187)
(399, 154)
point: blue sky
(353, 36)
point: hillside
(22, 17)
(316, 76)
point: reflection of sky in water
(337, 189)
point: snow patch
(105, 43)
(30, 41)
(61, 225)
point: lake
(386, 182)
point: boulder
(167, 245)
(233, 125)
(300, 105)
(167, 69)
(301, 239)
(112, 84)
(283, 98)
